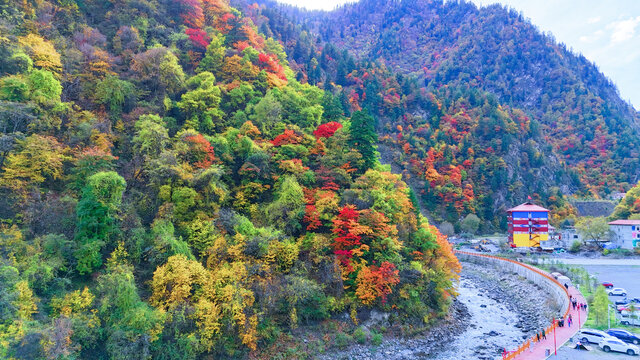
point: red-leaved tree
(199, 38)
(327, 130)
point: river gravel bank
(494, 310)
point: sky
(606, 32)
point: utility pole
(555, 347)
(579, 326)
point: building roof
(527, 207)
(625, 222)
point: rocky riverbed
(494, 310)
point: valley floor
(494, 310)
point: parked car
(607, 285)
(613, 344)
(625, 318)
(592, 336)
(617, 292)
(622, 307)
(564, 280)
(622, 301)
(625, 305)
(625, 308)
(626, 312)
(624, 335)
(610, 246)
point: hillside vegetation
(171, 190)
(476, 94)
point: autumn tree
(14, 88)
(470, 224)
(214, 56)
(42, 52)
(201, 103)
(629, 205)
(43, 86)
(287, 211)
(38, 159)
(127, 41)
(151, 137)
(593, 229)
(159, 70)
(115, 94)
(96, 213)
(132, 323)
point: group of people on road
(576, 305)
(569, 319)
(541, 335)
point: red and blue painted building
(528, 225)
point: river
(492, 327)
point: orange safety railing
(527, 344)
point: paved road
(586, 261)
(560, 335)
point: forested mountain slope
(576, 133)
(169, 190)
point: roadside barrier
(527, 343)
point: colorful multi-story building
(625, 233)
(528, 225)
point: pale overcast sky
(606, 32)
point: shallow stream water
(492, 327)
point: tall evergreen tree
(362, 137)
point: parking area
(624, 276)
(568, 353)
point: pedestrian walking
(538, 337)
(544, 335)
(570, 320)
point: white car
(613, 344)
(627, 319)
(592, 336)
(617, 292)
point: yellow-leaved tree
(42, 52)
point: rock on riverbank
(419, 347)
(494, 310)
